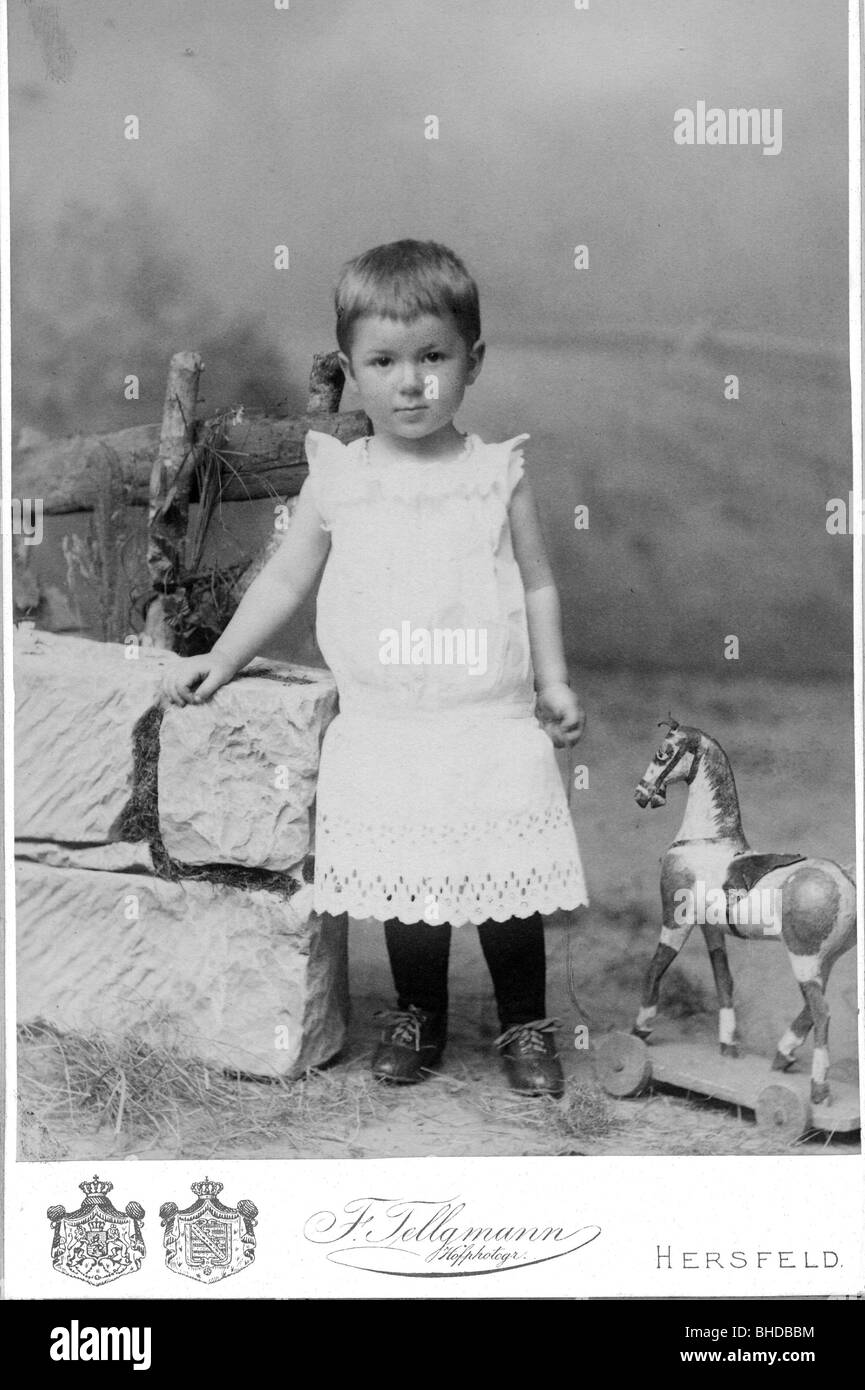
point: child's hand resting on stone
(194, 679)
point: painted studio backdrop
(664, 298)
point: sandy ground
(465, 1108)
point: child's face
(412, 376)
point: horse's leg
(717, 949)
(671, 942)
(794, 1037)
(813, 990)
(801, 1026)
(809, 914)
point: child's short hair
(402, 280)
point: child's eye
(381, 361)
(435, 356)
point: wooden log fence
(168, 468)
(261, 456)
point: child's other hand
(195, 678)
(561, 714)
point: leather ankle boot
(531, 1062)
(412, 1041)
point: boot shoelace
(529, 1037)
(405, 1025)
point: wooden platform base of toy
(780, 1100)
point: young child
(439, 801)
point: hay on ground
(154, 1096)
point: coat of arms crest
(97, 1243)
(208, 1240)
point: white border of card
(673, 1227)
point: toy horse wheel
(782, 1112)
(622, 1064)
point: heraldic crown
(207, 1188)
(96, 1188)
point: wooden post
(326, 381)
(169, 490)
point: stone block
(76, 703)
(120, 857)
(237, 774)
(244, 979)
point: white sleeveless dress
(439, 798)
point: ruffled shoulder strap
(513, 462)
(333, 472)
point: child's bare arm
(278, 591)
(559, 705)
(270, 601)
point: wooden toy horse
(710, 876)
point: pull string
(570, 755)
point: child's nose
(411, 379)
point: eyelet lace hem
(544, 884)
(366, 900)
(543, 874)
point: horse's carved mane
(720, 776)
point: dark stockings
(514, 952)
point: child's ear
(476, 361)
(345, 363)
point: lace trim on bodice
(341, 473)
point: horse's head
(674, 761)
